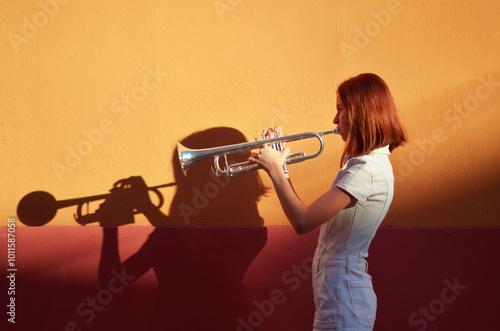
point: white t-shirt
(370, 180)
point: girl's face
(341, 119)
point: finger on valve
(272, 133)
(279, 132)
(280, 146)
(267, 134)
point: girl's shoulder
(376, 163)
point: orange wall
(93, 92)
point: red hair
(372, 115)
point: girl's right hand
(269, 158)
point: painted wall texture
(93, 92)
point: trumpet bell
(189, 156)
(185, 157)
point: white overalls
(343, 290)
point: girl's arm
(303, 218)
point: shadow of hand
(128, 197)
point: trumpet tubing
(189, 156)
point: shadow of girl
(201, 250)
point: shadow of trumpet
(39, 208)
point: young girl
(351, 211)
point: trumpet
(188, 156)
(39, 207)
